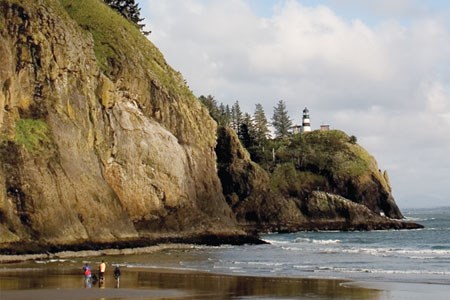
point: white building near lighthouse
(306, 123)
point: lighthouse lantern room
(306, 124)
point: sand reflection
(45, 283)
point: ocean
(382, 265)
(415, 256)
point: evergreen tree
(219, 112)
(260, 125)
(280, 120)
(211, 105)
(130, 10)
(225, 113)
(246, 131)
(236, 116)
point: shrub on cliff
(130, 10)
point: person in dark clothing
(117, 273)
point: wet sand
(41, 282)
(63, 280)
(406, 290)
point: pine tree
(260, 125)
(130, 10)
(225, 113)
(280, 120)
(236, 116)
(246, 131)
(211, 105)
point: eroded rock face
(332, 212)
(257, 207)
(107, 148)
(247, 189)
(87, 157)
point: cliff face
(247, 189)
(102, 143)
(344, 168)
(98, 145)
(288, 199)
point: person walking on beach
(117, 272)
(117, 275)
(101, 270)
(87, 275)
(87, 271)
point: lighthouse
(306, 124)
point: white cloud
(383, 81)
(299, 38)
(437, 97)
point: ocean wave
(419, 219)
(292, 248)
(381, 271)
(53, 260)
(262, 263)
(314, 241)
(410, 253)
(150, 267)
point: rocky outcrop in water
(260, 204)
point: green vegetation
(280, 120)
(129, 10)
(314, 160)
(104, 25)
(32, 134)
(287, 180)
(118, 44)
(317, 160)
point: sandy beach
(49, 284)
(63, 279)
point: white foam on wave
(410, 253)
(276, 242)
(381, 271)
(416, 219)
(53, 260)
(262, 263)
(326, 242)
(139, 266)
(292, 248)
(314, 241)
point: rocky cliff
(309, 193)
(102, 144)
(101, 140)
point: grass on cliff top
(325, 152)
(119, 42)
(32, 134)
(313, 160)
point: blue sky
(378, 70)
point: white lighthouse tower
(306, 123)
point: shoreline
(209, 239)
(50, 282)
(14, 258)
(54, 276)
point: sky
(376, 69)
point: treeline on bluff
(313, 180)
